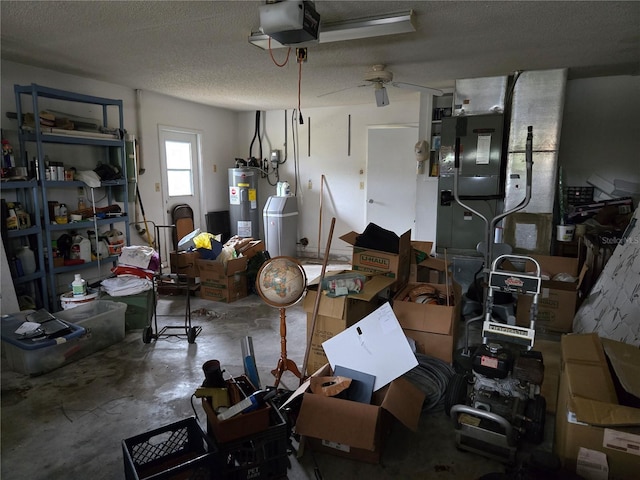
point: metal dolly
(178, 284)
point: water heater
(244, 213)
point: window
(179, 169)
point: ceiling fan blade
(342, 90)
(418, 88)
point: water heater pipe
(141, 168)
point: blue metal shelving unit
(29, 100)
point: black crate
(177, 451)
(579, 195)
(260, 456)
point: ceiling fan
(378, 78)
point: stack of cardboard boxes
(598, 410)
(221, 282)
(356, 430)
(559, 300)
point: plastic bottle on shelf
(81, 248)
(63, 214)
(27, 260)
(79, 286)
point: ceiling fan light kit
(287, 24)
(382, 99)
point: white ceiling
(199, 50)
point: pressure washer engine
(498, 403)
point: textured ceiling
(199, 51)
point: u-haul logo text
(374, 261)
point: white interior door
(391, 178)
(181, 161)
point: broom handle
(320, 215)
(316, 305)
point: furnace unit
(481, 180)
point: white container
(68, 300)
(565, 232)
(79, 286)
(27, 260)
(81, 248)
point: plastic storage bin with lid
(103, 320)
(39, 355)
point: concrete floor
(69, 423)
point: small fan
(379, 77)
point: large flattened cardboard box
(558, 301)
(223, 283)
(338, 313)
(434, 328)
(599, 379)
(394, 265)
(357, 430)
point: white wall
(327, 154)
(601, 129)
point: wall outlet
(310, 185)
(157, 187)
(361, 185)
(215, 168)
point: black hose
(431, 376)
(256, 134)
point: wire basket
(180, 450)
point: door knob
(371, 200)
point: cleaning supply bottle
(81, 248)
(27, 260)
(79, 286)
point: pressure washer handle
(483, 414)
(525, 258)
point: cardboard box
(338, 313)
(241, 425)
(558, 301)
(394, 265)
(429, 269)
(596, 373)
(252, 248)
(185, 263)
(434, 328)
(223, 283)
(357, 430)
